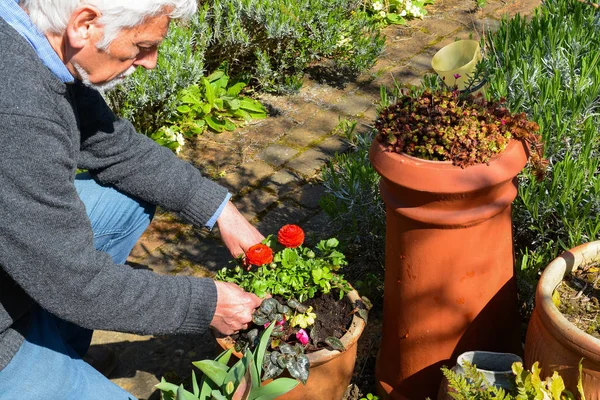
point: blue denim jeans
(49, 364)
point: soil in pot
(334, 316)
(578, 298)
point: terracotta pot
(495, 367)
(449, 269)
(330, 370)
(555, 342)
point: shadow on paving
(143, 363)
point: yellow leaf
(556, 298)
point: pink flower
(456, 76)
(302, 337)
(503, 122)
(277, 323)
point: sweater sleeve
(46, 242)
(117, 155)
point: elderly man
(64, 237)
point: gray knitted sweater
(48, 129)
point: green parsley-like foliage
(528, 385)
(298, 273)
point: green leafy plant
(241, 381)
(299, 272)
(528, 385)
(387, 12)
(292, 274)
(216, 104)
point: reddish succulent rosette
(290, 236)
(259, 254)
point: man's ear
(83, 25)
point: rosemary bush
(549, 68)
(274, 42)
(149, 98)
(270, 44)
(351, 196)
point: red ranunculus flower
(290, 236)
(259, 254)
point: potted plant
(241, 381)
(448, 164)
(318, 315)
(563, 328)
(470, 382)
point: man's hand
(236, 232)
(234, 308)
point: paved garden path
(272, 168)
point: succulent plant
(443, 125)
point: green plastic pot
(455, 63)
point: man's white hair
(53, 16)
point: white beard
(83, 75)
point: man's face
(133, 47)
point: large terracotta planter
(449, 269)
(330, 370)
(555, 342)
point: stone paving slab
(255, 202)
(308, 195)
(277, 154)
(309, 162)
(283, 181)
(246, 175)
(286, 212)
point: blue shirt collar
(13, 14)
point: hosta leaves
(214, 123)
(218, 74)
(252, 105)
(184, 109)
(235, 89)
(335, 343)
